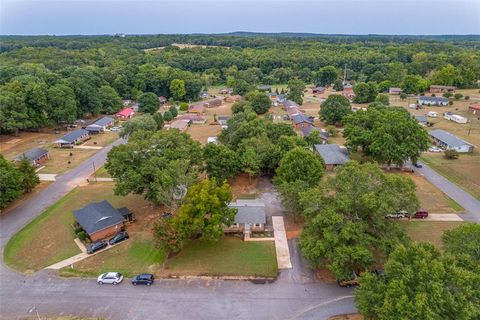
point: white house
(449, 141)
(432, 101)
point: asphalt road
(294, 295)
(467, 201)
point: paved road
(293, 296)
(467, 201)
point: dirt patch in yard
(201, 132)
(244, 187)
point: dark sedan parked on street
(119, 237)
(98, 245)
(145, 278)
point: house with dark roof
(422, 120)
(250, 217)
(72, 138)
(332, 155)
(318, 90)
(223, 120)
(322, 134)
(290, 104)
(99, 220)
(393, 90)
(432, 101)
(35, 156)
(193, 118)
(100, 125)
(301, 120)
(450, 141)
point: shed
(474, 108)
(318, 90)
(332, 155)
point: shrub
(403, 96)
(451, 154)
(82, 235)
(184, 106)
(450, 103)
(458, 96)
(446, 94)
(167, 116)
(332, 131)
(467, 98)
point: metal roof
(421, 118)
(72, 136)
(33, 154)
(105, 121)
(300, 117)
(249, 211)
(448, 138)
(331, 153)
(433, 99)
(97, 216)
(307, 129)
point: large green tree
(365, 92)
(326, 76)
(144, 122)
(148, 103)
(110, 101)
(29, 175)
(11, 186)
(295, 90)
(177, 89)
(334, 109)
(221, 162)
(62, 104)
(259, 102)
(463, 243)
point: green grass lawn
(228, 257)
(102, 173)
(429, 231)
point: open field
(229, 257)
(429, 231)
(60, 158)
(49, 237)
(464, 171)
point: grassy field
(60, 158)
(102, 173)
(464, 171)
(12, 146)
(228, 257)
(429, 231)
(49, 237)
(102, 139)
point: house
(474, 108)
(291, 111)
(395, 91)
(196, 108)
(162, 100)
(99, 220)
(440, 89)
(318, 90)
(332, 155)
(213, 103)
(422, 120)
(300, 120)
(234, 98)
(348, 93)
(250, 217)
(226, 91)
(432, 101)
(100, 125)
(193, 118)
(125, 114)
(281, 98)
(432, 114)
(306, 130)
(35, 156)
(273, 98)
(454, 117)
(181, 125)
(223, 120)
(72, 138)
(449, 141)
(289, 103)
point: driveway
(293, 296)
(467, 201)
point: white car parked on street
(110, 277)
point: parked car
(145, 278)
(421, 214)
(119, 237)
(417, 165)
(349, 282)
(434, 149)
(98, 245)
(115, 129)
(110, 278)
(397, 215)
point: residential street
(467, 201)
(293, 296)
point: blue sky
(320, 16)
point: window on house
(258, 225)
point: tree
(184, 106)
(295, 90)
(221, 162)
(451, 154)
(10, 182)
(145, 122)
(334, 109)
(29, 175)
(419, 283)
(204, 213)
(387, 135)
(239, 106)
(403, 96)
(173, 110)
(250, 161)
(159, 165)
(326, 76)
(167, 116)
(365, 92)
(259, 102)
(338, 85)
(458, 96)
(86, 82)
(448, 76)
(462, 243)
(177, 89)
(414, 84)
(110, 101)
(383, 99)
(241, 87)
(148, 103)
(347, 228)
(313, 138)
(157, 116)
(62, 104)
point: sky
(64, 17)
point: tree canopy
(334, 109)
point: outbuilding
(474, 108)
(100, 125)
(422, 120)
(395, 90)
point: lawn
(228, 257)
(62, 160)
(49, 237)
(429, 231)
(463, 171)
(12, 146)
(102, 173)
(102, 139)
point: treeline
(15, 180)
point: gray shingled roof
(103, 121)
(300, 117)
(33, 154)
(307, 129)
(73, 136)
(97, 216)
(249, 211)
(290, 103)
(448, 138)
(421, 119)
(433, 99)
(331, 154)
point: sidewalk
(281, 244)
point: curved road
(294, 295)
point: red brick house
(348, 93)
(35, 156)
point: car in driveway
(434, 149)
(110, 278)
(146, 279)
(420, 214)
(119, 237)
(417, 165)
(98, 245)
(397, 215)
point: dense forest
(50, 80)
